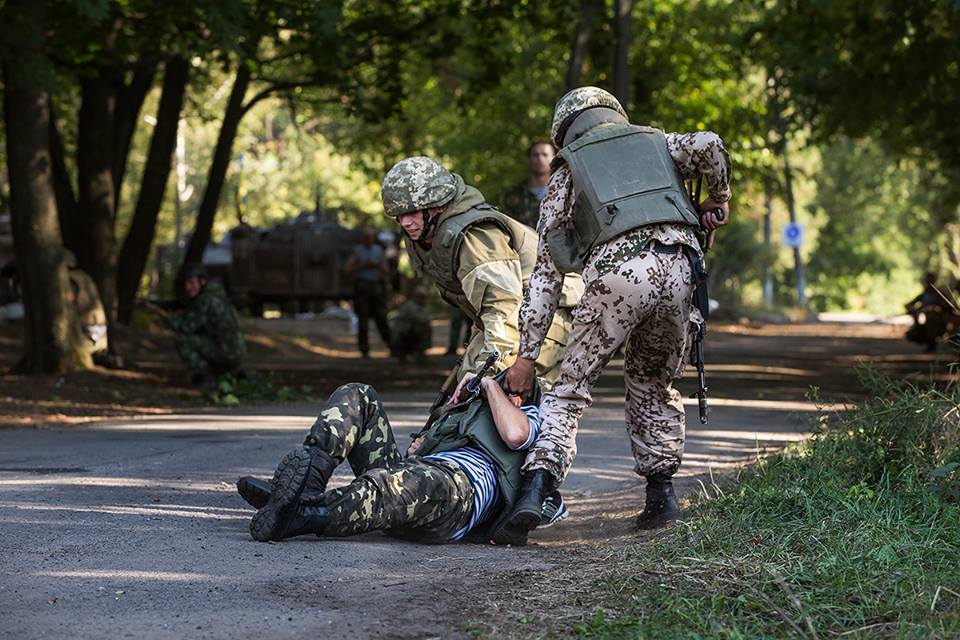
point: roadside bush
(256, 387)
(855, 532)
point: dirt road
(131, 528)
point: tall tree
(590, 10)
(52, 335)
(621, 68)
(156, 173)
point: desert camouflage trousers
(410, 498)
(644, 301)
(203, 355)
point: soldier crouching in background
(207, 331)
(410, 327)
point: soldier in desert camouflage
(616, 211)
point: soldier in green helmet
(479, 258)
(207, 331)
(616, 211)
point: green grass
(854, 534)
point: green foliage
(866, 254)
(854, 532)
(256, 388)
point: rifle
(702, 301)
(166, 305)
(446, 389)
(696, 359)
(472, 389)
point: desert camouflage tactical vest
(624, 178)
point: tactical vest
(441, 260)
(471, 424)
(624, 178)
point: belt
(668, 249)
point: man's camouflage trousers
(203, 355)
(644, 301)
(411, 498)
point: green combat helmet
(415, 184)
(573, 102)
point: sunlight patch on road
(202, 513)
(167, 576)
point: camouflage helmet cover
(414, 184)
(577, 100)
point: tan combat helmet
(573, 102)
(415, 184)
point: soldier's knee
(359, 391)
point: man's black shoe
(288, 484)
(553, 510)
(254, 490)
(527, 512)
(661, 507)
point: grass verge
(854, 533)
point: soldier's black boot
(288, 483)
(254, 490)
(322, 466)
(303, 473)
(661, 507)
(536, 485)
(306, 518)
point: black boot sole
(254, 490)
(526, 518)
(288, 481)
(658, 521)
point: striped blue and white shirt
(482, 472)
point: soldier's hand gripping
(713, 215)
(519, 378)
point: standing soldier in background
(522, 202)
(617, 211)
(479, 258)
(369, 267)
(207, 332)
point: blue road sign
(793, 235)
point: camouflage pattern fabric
(522, 205)
(578, 100)
(411, 498)
(633, 295)
(416, 183)
(370, 302)
(411, 330)
(644, 301)
(203, 355)
(208, 334)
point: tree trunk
(621, 69)
(218, 168)
(130, 99)
(96, 240)
(52, 334)
(581, 38)
(63, 187)
(156, 174)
